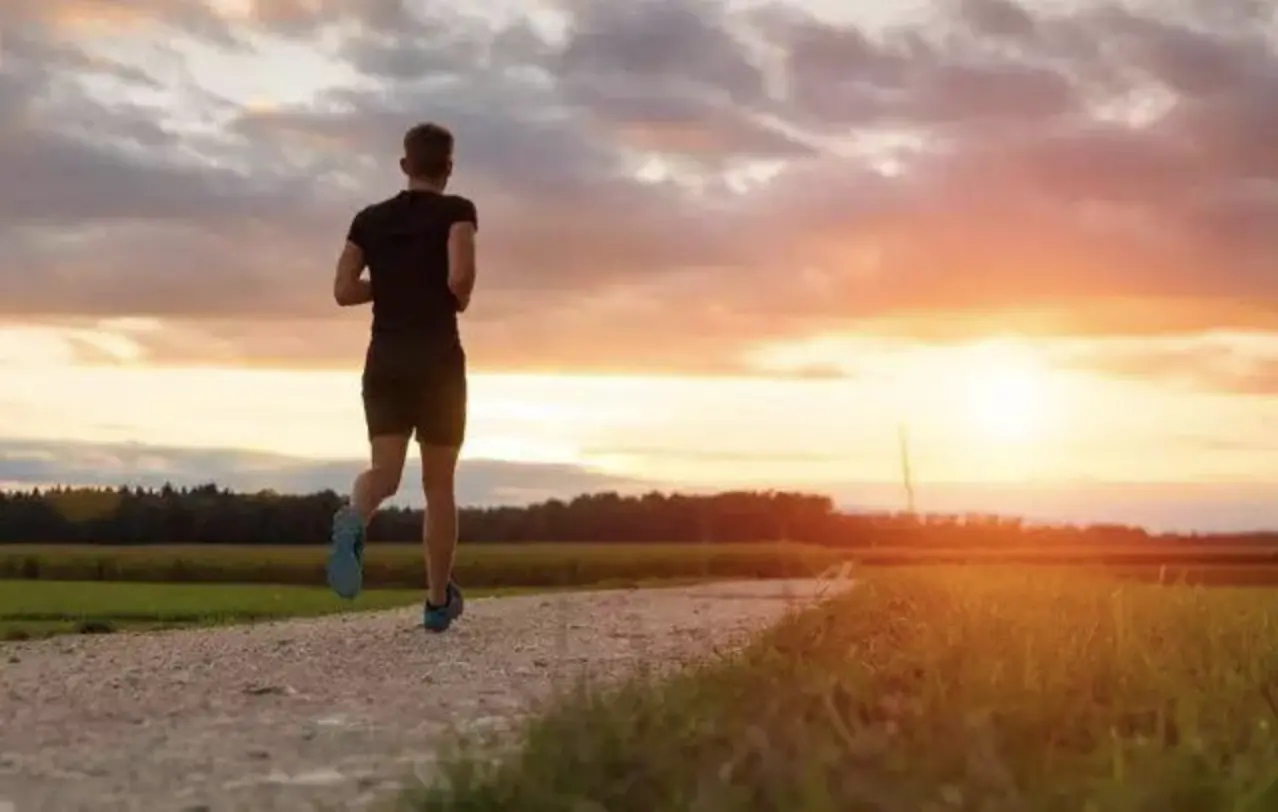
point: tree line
(210, 514)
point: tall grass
(951, 689)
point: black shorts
(416, 388)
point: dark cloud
(479, 482)
(999, 19)
(678, 121)
(988, 161)
(847, 78)
(671, 43)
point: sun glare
(1006, 398)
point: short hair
(428, 148)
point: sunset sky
(722, 244)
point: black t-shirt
(405, 243)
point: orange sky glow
(832, 221)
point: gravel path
(325, 713)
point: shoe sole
(345, 575)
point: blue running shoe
(345, 567)
(439, 618)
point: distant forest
(209, 514)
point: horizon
(723, 245)
(411, 500)
(477, 489)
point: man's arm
(348, 288)
(461, 255)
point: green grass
(399, 566)
(394, 566)
(987, 689)
(34, 609)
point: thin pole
(906, 476)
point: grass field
(995, 689)
(399, 566)
(34, 609)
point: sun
(1006, 398)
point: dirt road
(327, 713)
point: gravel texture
(326, 713)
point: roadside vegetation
(940, 688)
(36, 609)
(399, 566)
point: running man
(419, 248)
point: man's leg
(389, 411)
(380, 481)
(439, 527)
(441, 428)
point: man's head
(428, 153)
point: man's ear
(403, 165)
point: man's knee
(439, 467)
(438, 488)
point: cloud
(1240, 364)
(667, 183)
(26, 464)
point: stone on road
(327, 713)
